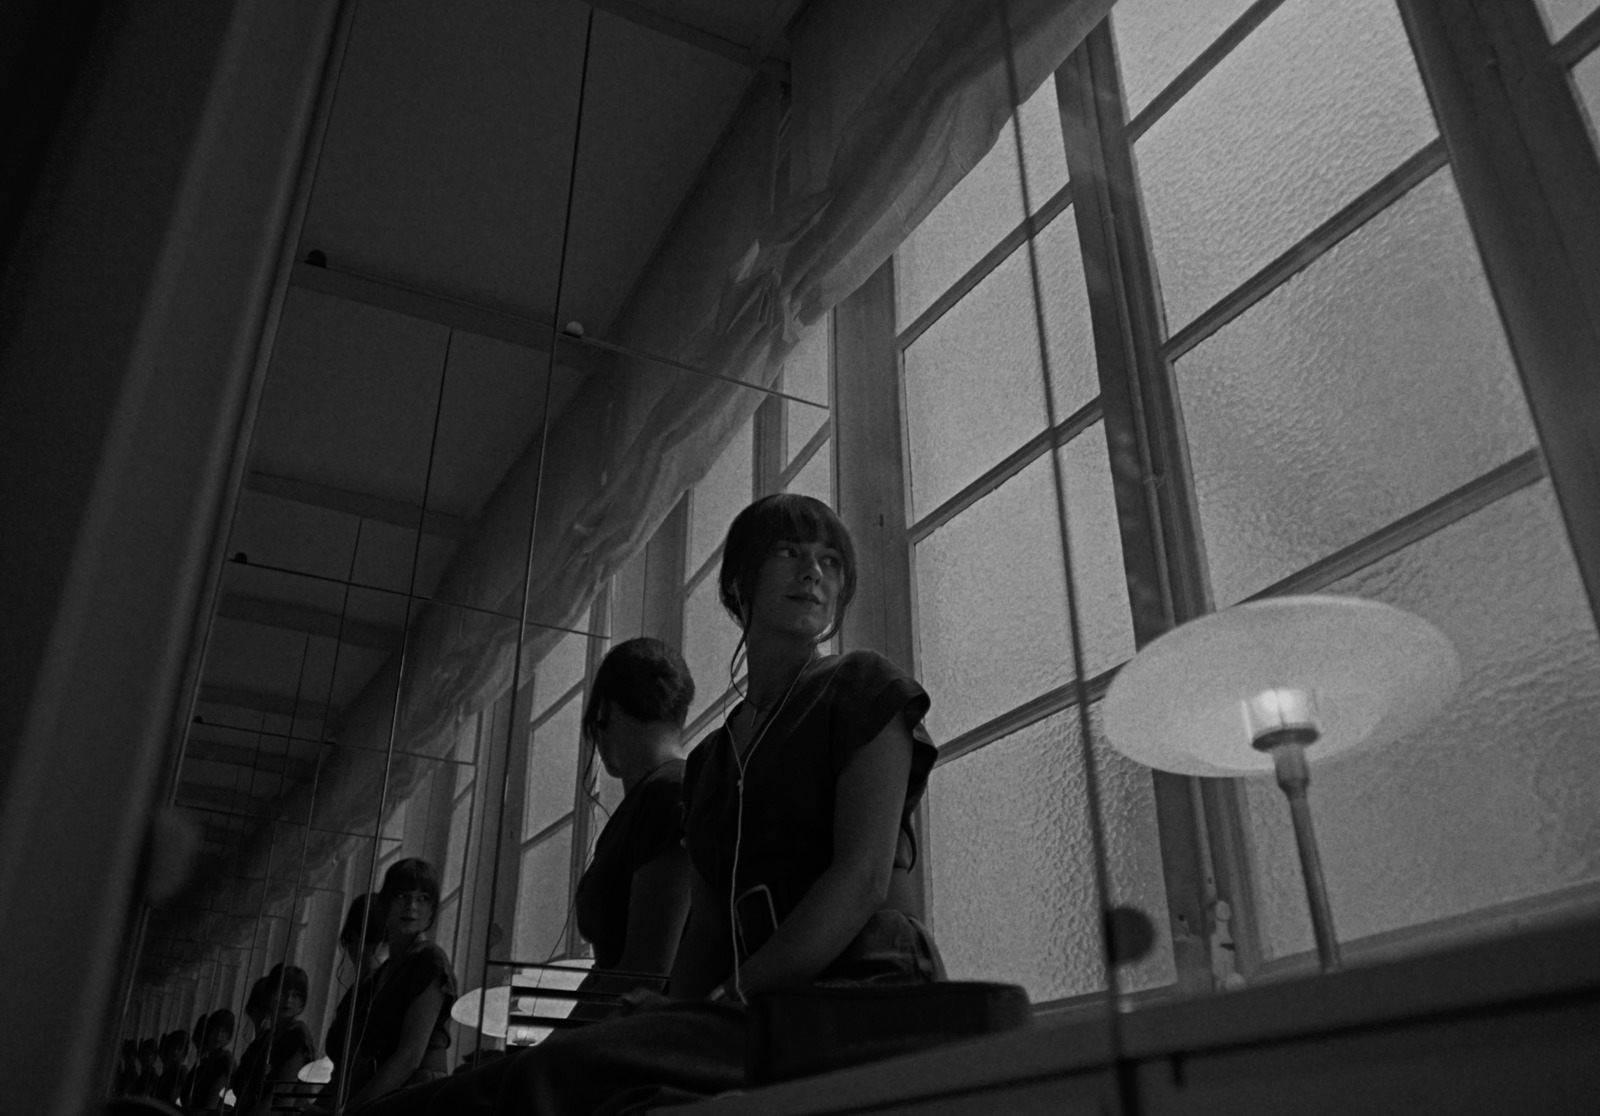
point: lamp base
(1288, 752)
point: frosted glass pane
(553, 768)
(723, 494)
(973, 386)
(1499, 799)
(982, 209)
(805, 370)
(1012, 895)
(542, 898)
(1586, 79)
(444, 927)
(455, 856)
(560, 670)
(805, 374)
(1562, 16)
(991, 605)
(1156, 39)
(709, 637)
(1374, 382)
(1320, 102)
(816, 477)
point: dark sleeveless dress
(687, 1050)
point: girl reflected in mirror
(402, 1036)
(797, 818)
(361, 943)
(283, 1048)
(215, 1068)
(633, 900)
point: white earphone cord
(743, 763)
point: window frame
(1202, 822)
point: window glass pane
(560, 670)
(972, 382)
(1375, 381)
(552, 768)
(805, 374)
(709, 637)
(455, 856)
(723, 494)
(1586, 79)
(444, 927)
(1012, 895)
(1156, 39)
(1562, 16)
(1499, 799)
(466, 751)
(816, 477)
(542, 898)
(1320, 102)
(991, 605)
(982, 209)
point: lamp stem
(1294, 776)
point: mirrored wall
(1193, 330)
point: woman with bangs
(401, 1036)
(797, 817)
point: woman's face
(797, 590)
(410, 914)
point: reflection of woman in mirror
(360, 940)
(797, 816)
(283, 1048)
(634, 898)
(402, 1037)
(174, 1052)
(211, 1075)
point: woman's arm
(868, 801)
(421, 1016)
(706, 955)
(658, 905)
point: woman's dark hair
(291, 979)
(350, 934)
(258, 1004)
(220, 1020)
(647, 679)
(410, 874)
(754, 532)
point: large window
(1348, 418)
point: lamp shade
(1189, 701)
(465, 1010)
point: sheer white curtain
(892, 103)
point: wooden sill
(1481, 980)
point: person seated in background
(174, 1052)
(258, 1012)
(287, 1044)
(402, 1037)
(633, 899)
(127, 1069)
(361, 943)
(797, 817)
(211, 1075)
(144, 1081)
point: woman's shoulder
(866, 670)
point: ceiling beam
(360, 504)
(237, 755)
(280, 704)
(707, 41)
(442, 310)
(191, 793)
(312, 621)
